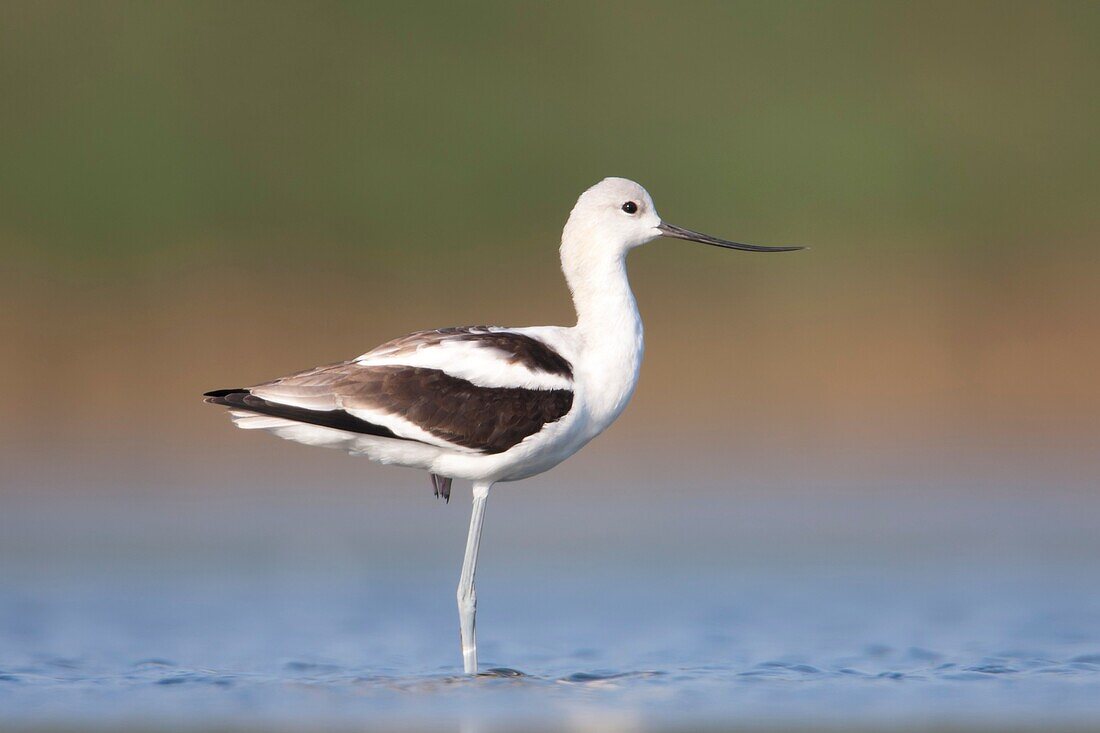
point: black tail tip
(217, 396)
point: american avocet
(488, 404)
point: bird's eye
(630, 207)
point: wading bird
(488, 404)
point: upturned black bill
(671, 230)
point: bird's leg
(467, 598)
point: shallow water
(764, 612)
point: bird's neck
(609, 327)
(602, 297)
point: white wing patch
(477, 362)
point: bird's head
(617, 215)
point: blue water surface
(594, 614)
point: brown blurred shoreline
(831, 368)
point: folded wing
(475, 390)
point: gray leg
(467, 598)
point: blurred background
(203, 195)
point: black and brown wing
(469, 390)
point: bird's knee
(467, 600)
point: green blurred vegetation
(201, 194)
(136, 134)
